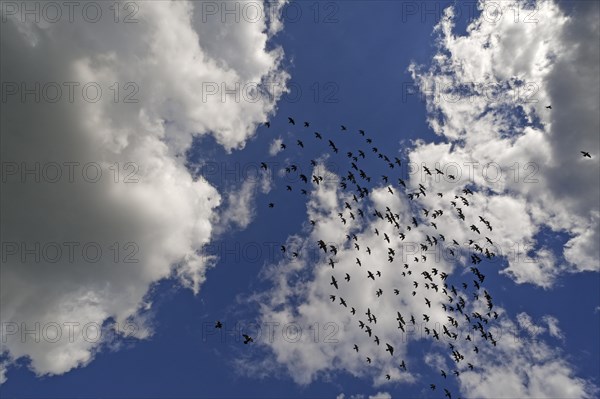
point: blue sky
(360, 64)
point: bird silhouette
(389, 348)
(334, 282)
(247, 338)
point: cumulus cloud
(301, 298)
(240, 203)
(301, 292)
(2, 373)
(145, 217)
(522, 366)
(378, 395)
(381, 395)
(487, 93)
(553, 328)
(275, 146)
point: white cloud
(165, 218)
(240, 208)
(381, 395)
(527, 324)
(521, 366)
(275, 147)
(301, 293)
(240, 204)
(553, 328)
(2, 373)
(301, 296)
(558, 58)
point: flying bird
(389, 348)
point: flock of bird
(428, 282)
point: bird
(586, 154)
(322, 245)
(334, 282)
(247, 338)
(218, 324)
(291, 121)
(548, 106)
(389, 348)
